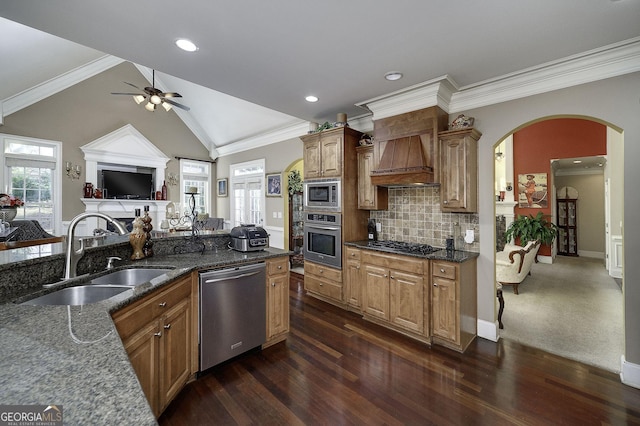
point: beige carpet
(571, 308)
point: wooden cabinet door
(175, 362)
(459, 170)
(143, 348)
(311, 158)
(444, 309)
(353, 288)
(452, 185)
(366, 190)
(376, 293)
(407, 301)
(277, 305)
(330, 155)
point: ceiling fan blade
(124, 93)
(175, 104)
(132, 85)
(171, 95)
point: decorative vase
(147, 248)
(8, 213)
(137, 238)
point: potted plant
(529, 228)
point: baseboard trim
(591, 254)
(629, 373)
(488, 330)
(545, 259)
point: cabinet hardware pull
(279, 266)
(158, 334)
(385, 275)
(163, 304)
(445, 202)
(442, 270)
(435, 285)
(392, 277)
(273, 284)
(321, 284)
(168, 326)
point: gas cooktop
(403, 247)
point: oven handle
(326, 228)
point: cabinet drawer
(130, 319)
(399, 263)
(444, 270)
(277, 266)
(323, 287)
(352, 253)
(170, 297)
(322, 272)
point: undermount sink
(78, 295)
(130, 276)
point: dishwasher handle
(236, 277)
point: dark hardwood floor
(336, 369)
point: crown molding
(429, 93)
(294, 130)
(598, 64)
(63, 81)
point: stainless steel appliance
(323, 238)
(322, 194)
(249, 238)
(232, 312)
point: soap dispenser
(371, 230)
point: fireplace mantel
(122, 209)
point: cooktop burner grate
(403, 247)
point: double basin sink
(100, 288)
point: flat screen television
(127, 185)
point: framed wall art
(532, 191)
(222, 187)
(274, 185)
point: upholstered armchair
(513, 264)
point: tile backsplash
(414, 216)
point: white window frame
(56, 173)
(234, 179)
(202, 177)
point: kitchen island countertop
(457, 256)
(72, 355)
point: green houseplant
(529, 228)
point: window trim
(233, 179)
(56, 172)
(208, 195)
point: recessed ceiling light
(577, 161)
(186, 45)
(393, 75)
(311, 98)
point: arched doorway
(543, 323)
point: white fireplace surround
(123, 147)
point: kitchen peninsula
(73, 356)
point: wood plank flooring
(336, 369)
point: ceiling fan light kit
(154, 96)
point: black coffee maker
(372, 232)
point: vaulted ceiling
(258, 60)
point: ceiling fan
(153, 96)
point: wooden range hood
(406, 146)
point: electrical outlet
(378, 226)
(279, 215)
(275, 215)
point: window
(32, 173)
(196, 174)
(247, 193)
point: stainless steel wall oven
(323, 238)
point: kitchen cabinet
(394, 291)
(354, 278)
(370, 196)
(322, 154)
(567, 230)
(459, 170)
(323, 282)
(158, 335)
(453, 303)
(277, 300)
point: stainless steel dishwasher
(232, 312)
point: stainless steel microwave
(322, 194)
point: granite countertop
(457, 256)
(72, 355)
